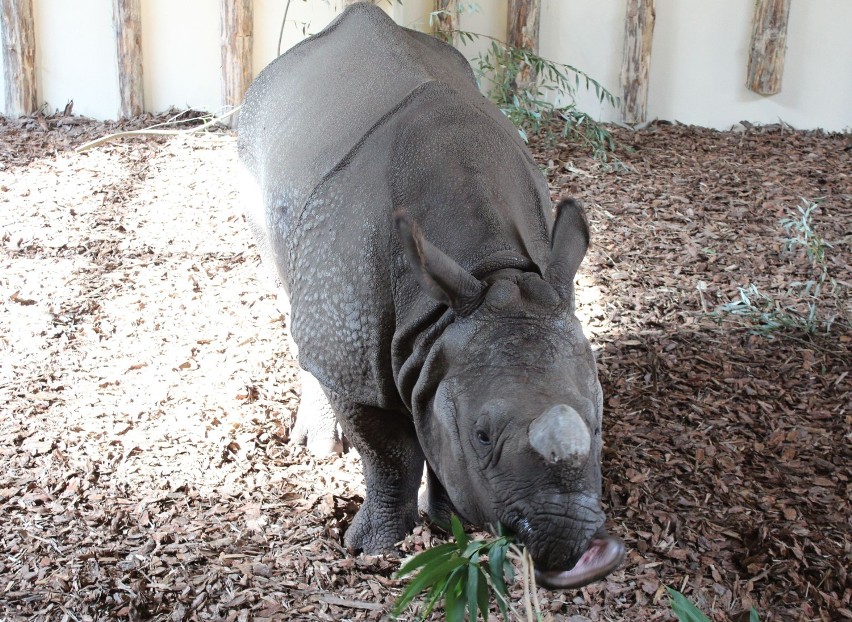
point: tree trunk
(636, 62)
(768, 45)
(237, 41)
(446, 20)
(522, 32)
(127, 22)
(18, 34)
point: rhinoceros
(431, 291)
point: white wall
(303, 18)
(181, 54)
(698, 68)
(700, 60)
(75, 56)
(571, 33)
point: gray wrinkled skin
(432, 294)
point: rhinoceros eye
(482, 437)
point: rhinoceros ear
(441, 277)
(568, 246)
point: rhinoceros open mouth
(604, 554)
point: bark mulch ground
(147, 391)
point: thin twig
(68, 613)
(526, 569)
(46, 541)
(527, 598)
(153, 132)
(283, 21)
(345, 602)
(533, 586)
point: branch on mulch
(155, 132)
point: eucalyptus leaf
(482, 594)
(426, 578)
(457, 574)
(458, 532)
(426, 557)
(454, 604)
(472, 591)
(683, 609)
(528, 104)
(496, 561)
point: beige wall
(698, 68)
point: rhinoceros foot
(434, 501)
(316, 425)
(604, 554)
(377, 532)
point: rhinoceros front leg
(393, 467)
(316, 425)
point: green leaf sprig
(685, 611)
(464, 573)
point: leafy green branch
(800, 232)
(525, 85)
(466, 575)
(685, 611)
(806, 311)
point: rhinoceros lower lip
(602, 557)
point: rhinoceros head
(511, 420)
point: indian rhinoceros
(431, 291)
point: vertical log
(523, 25)
(237, 39)
(127, 23)
(768, 45)
(522, 32)
(18, 34)
(636, 62)
(446, 20)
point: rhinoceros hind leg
(316, 425)
(435, 502)
(393, 467)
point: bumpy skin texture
(432, 294)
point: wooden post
(446, 20)
(237, 42)
(127, 22)
(18, 34)
(768, 45)
(636, 60)
(523, 25)
(522, 32)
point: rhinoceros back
(313, 104)
(334, 132)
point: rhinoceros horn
(441, 277)
(568, 246)
(561, 435)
